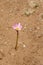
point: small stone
(30, 29)
(10, 11)
(1, 54)
(25, 26)
(12, 54)
(5, 42)
(1, 50)
(38, 28)
(24, 45)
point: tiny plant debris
(33, 4)
(41, 16)
(29, 11)
(17, 27)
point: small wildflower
(17, 26)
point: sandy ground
(14, 11)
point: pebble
(12, 54)
(30, 29)
(38, 28)
(24, 45)
(5, 42)
(1, 54)
(25, 26)
(1, 50)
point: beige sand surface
(15, 11)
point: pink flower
(17, 26)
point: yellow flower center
(17, 28)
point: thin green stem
(17, 40)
